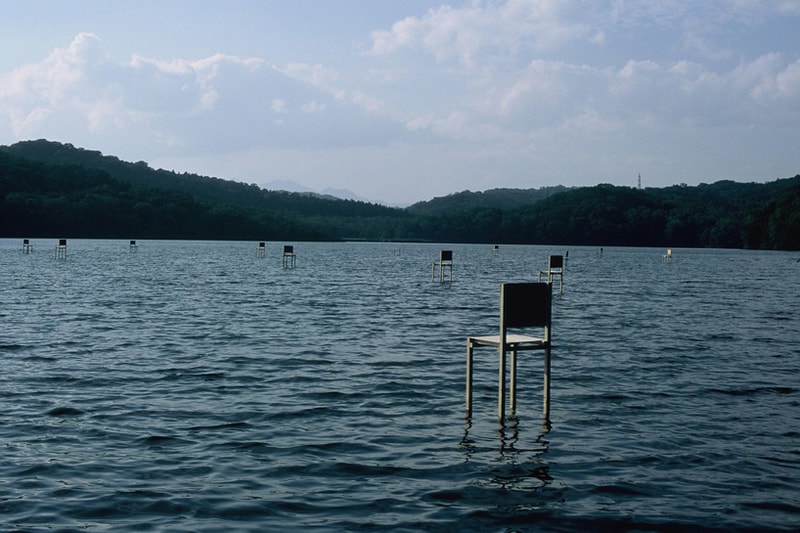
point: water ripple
(194, 387)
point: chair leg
(501, 385)
(513, 384)
(469, 379)
(546, 388)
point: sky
(400, 101)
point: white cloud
(444, 32)
(316, 75)
(313, 107)
(79, 93)
(21, 123)
(191, 83)
(480, 79)
(82, 82)
(32, 93)
(278, 105)
(521, 77)
(331, 82)
(788, 82)
(642, 94)
(493, 27)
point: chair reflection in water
(289, 257)
(445, 262)
(522, 306)
(555, 267)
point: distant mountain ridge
(292, 186)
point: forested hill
(497, 198)
(38, 200)
(50, 189)
(200, 187)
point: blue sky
(401, 101)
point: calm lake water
(192, 386)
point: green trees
(776, 224)
(712, 215)
(40, 200)
(58, 189)
(601, 215)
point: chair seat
(513, 341)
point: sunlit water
(192, 386)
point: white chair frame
(522, 305)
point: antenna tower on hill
(640, 180)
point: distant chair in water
(61, 249)
(133, 247)
(445, 262)
(667, 257)
(522, 306)
(289, 257)
(27, 247)
(555, 267)
(261, 249)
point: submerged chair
(522, 305)
(61, 249)
(261, 249)
(445, 261)
(289, 257)
(555, 267)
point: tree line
(50, 189)
(38, 200)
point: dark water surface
(194, 387)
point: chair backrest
(62, 242)
(288, 249)
(446, 255)
(525, 305)
(556, 261)
(262, 245)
